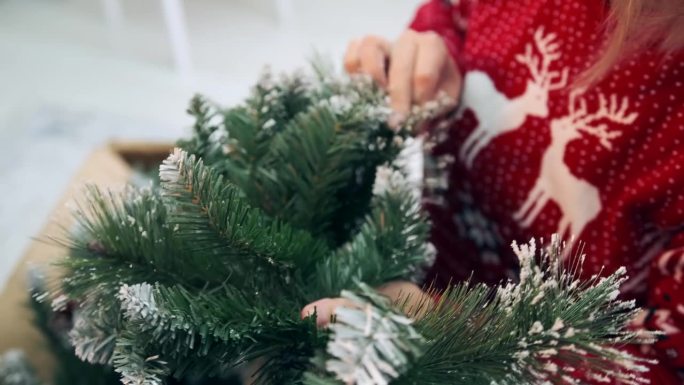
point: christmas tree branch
(542, 328)
(389, 245)
(221, 225)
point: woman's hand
(416, 301)
(414, 70)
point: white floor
(72, 78)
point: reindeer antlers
(548, 50)
(612, 111)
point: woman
(571, 121)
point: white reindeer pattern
(496, 114)
(578, 200)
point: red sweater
(534, 155)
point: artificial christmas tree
(275, 203)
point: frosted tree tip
(169, 170)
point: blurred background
(77, 73)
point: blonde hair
(634, 25)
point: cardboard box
(111, 166)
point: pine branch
(54, 324)
(188, 321)
(391, 244)
(206, 130)
(539, 330)
(206, 333)
(135, 365)
(304, 186)
(306, 150)
(96, 327)
(215, 217)
(272, 104)
(126, 229)
(399, 230)
(322, 166)
(240, 136)
(371, 344)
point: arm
(444, 19)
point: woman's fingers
(316, 307)
(431, 60)
(451, 81)
(324, 309)
(373, 52)
(414, 301)
(420, 68)
(400, 85)
(368, 55)
(352, 60)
